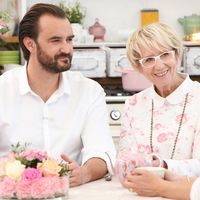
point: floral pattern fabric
(136, 127)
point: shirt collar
(23, 81)
(176, 96)
(64, 85)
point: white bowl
(159, 171)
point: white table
(105, 190)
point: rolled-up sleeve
(96, 137)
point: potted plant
(8, 52)
(74, 12)
(4, 18)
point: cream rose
(14, 169)
(49, 168)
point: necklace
(179, 127)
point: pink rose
(34, 154)
(7, 188)
(23, 189)
(31, 174)
(43, 188)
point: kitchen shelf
(11, 39)
(191, 43)
(99, 44)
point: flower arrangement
(4, 19)
(32, 174)
(74, 12)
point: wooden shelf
(11, 39)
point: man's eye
(54, 41)
(69, 39)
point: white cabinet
(90, 62)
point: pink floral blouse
(136, 127)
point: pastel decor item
(129, 162)
(191, 26)
(32, 174)
(98, 31)
(149, 15)
(158, 171)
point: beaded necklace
(179, 127)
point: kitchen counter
(105, 190)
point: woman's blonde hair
(155, 36)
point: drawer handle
(81, 68)
(197, 62)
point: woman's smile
(161, 74)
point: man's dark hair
(28, 26)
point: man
(54, 110)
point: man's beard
(51, 64)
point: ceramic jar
(98, 31)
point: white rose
(14, 169)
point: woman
(164, 119)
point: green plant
(74, 12)
(4, 19)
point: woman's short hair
(28, 26)
(155, 36)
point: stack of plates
(9, 57)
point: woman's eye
(165, 54)
(150, 59)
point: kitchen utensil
(149, 16)
(133, 80)
(130, 162)
(159, 171)
(190, 24)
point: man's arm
(93, 169)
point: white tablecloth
(105, 190)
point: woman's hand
(144, 183)
(171, 176)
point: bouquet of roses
(32, 174)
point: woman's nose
(158, 63)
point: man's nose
(66, 47)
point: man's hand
(93, 169)
(77, 175)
